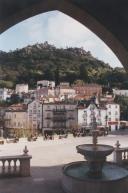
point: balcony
(59, 126)
(59, 110)
(48, 117)
(71, 118)
(59, 119)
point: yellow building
(16, 120)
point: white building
(109, 116)
(44, 92)
(65, 92)
(64, 84)
(35, 116)
(45, 83)
(4, 94)
(120, 92)
(21, 88)
(85, 116)
(59, 116)
(113, 115)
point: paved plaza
(48, 159)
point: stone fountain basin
(100, 151)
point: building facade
(113, 116)
(44, 92)
(59, 116)
(21, 88)
(85, 116)
(15, 122)
(4, 94)
(45, 83)
(88, 90)
(120, 92)
(35, 116)
(65, 92)
(107, 116)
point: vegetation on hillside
(123, 101)
(44, 61)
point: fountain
(95, 175)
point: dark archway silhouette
(106, 18)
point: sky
(59, 30)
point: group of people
(33, 137)
(81, 132)
(78, 132)
(49, 134)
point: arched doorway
(16, 12)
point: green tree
(79, 82)
(123, 101)
(15, 99)
(57, 75)
(6, 84)
(49, 74)
(83, 73)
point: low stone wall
(15, 166)
(120, 154)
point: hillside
(44, 61)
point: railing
(59, 119)
(15, 166)
(120, 154)
(48, 117)
(71, 118)
(59, 110)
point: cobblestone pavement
(48, 158)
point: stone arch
(80, 14)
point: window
(34, 107)
(34, 126)
(109, 119)
(34, 118)
(109, 113)
(48, 107)
(48, 124)
(71, 115)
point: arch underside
(102, 27)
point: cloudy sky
(58, 29)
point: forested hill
(45, 61)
